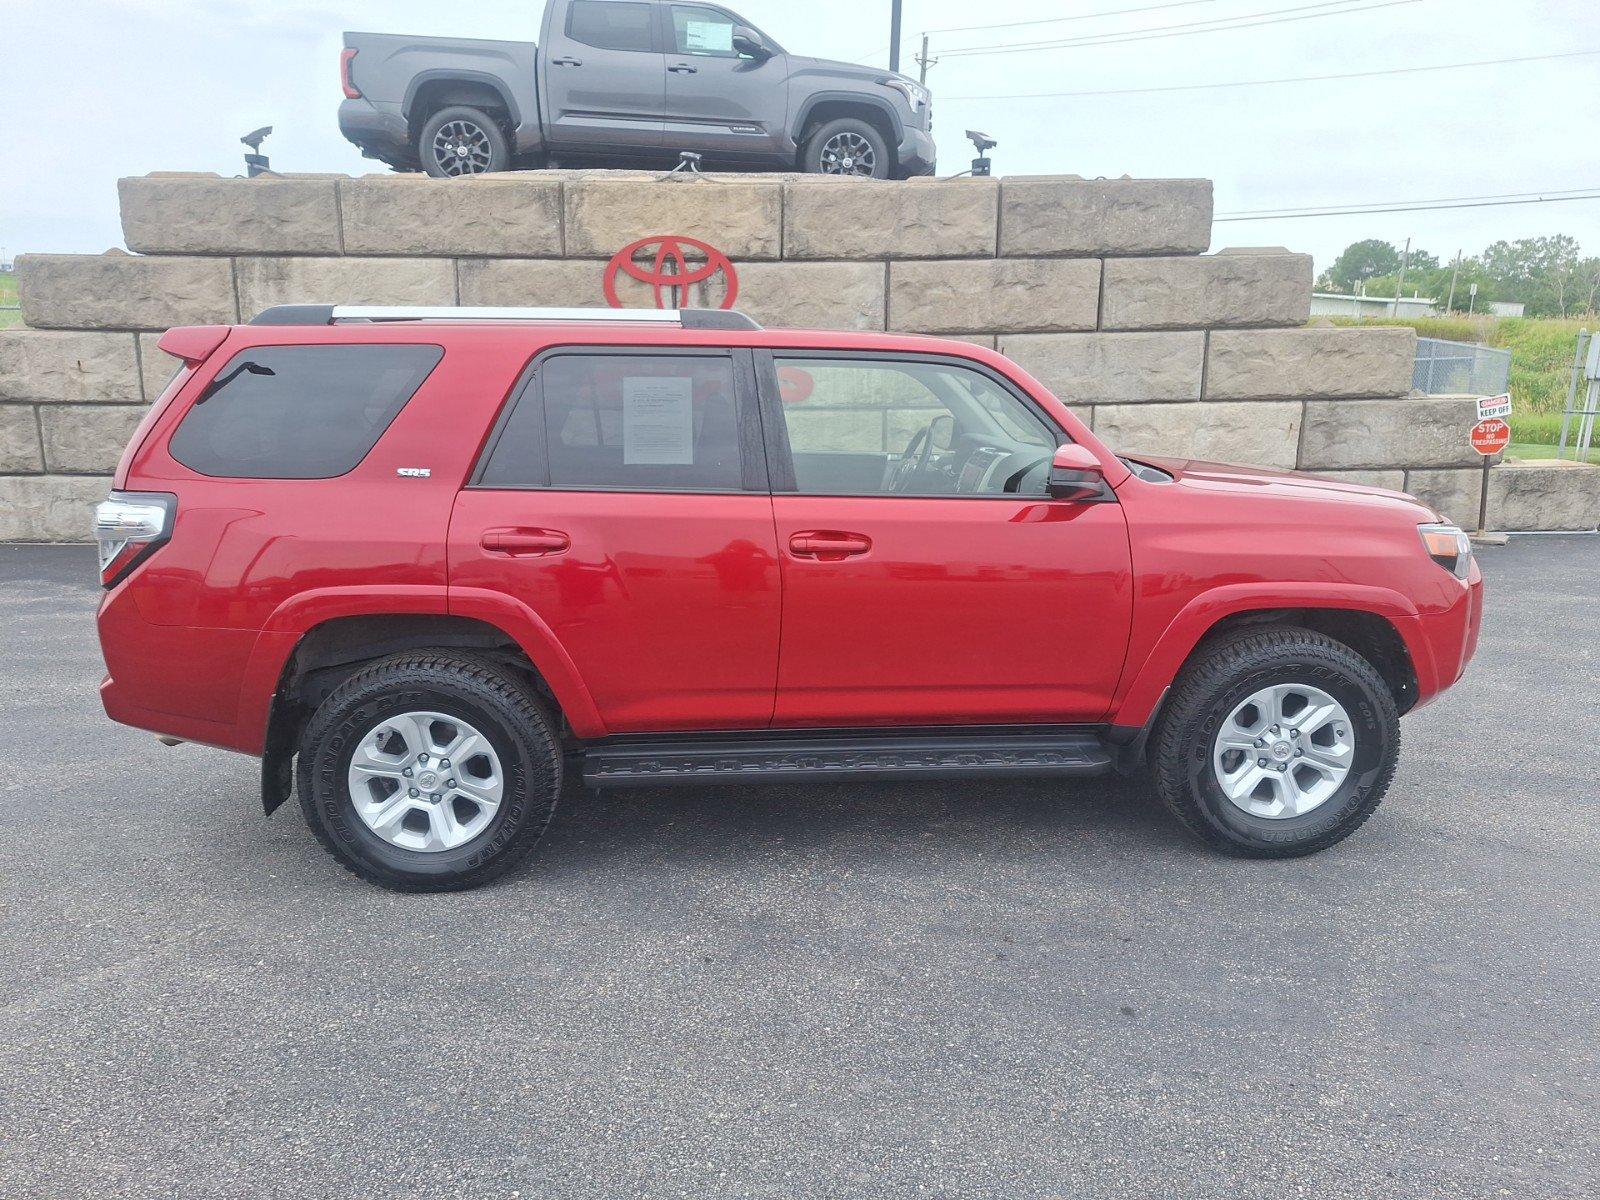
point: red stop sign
(1491, 436)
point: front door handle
(525, 543)
(566, 62)
(683, 69)
(828, 545)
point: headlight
(1448, 547)
(916, 95)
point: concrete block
(1115, 368)
(48, 366)
(1272, 364)
(1232, 288)
(1264, 434)
(825, 218)
(802, 295)
(50, 508)
(1422, 431)
(1453, 493)
(1011, 295)
(264, 282)
(1544, 495)
(82, 439)
(543, 283)
(742, 217)
(487, 215)
(123, 291)
(19, 440)
(1047, 215)
(207, 214)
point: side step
(789, 757)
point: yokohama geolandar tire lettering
(485, 700)
(1228, 673)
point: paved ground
(996, 991)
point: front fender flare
(1143, 683)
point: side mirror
(748, 41)
(1074, 473)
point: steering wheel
(914, 458)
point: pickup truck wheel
(428, 772)
(462, 141)
(847, 146)
(1276, 743)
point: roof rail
(332, 314)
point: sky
(99, 89)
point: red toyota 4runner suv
(430, 563)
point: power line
(1273, 17)
(1199, 87)
(1109, 12)
(1555, 193)
(1289, 216)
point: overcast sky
(97, 89)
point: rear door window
(299, 412)
(607, 25)
(628, 422)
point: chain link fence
(1460, 369)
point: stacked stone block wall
(1100, 288)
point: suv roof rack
(333, 314)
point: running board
(789, 758)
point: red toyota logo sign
(669, 272)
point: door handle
(683, 69)
(566, 62)
(828, 545)
(525, 543)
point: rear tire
(1323, 781)
(461, 140)
(847, 146)
(380, 793)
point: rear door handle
(683, 69)
(566, 62)
(525, 543)
(828, 545)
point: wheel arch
(830, 106)
(1380, 625)
(430, 91)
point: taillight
(130, 526)
(351, 91)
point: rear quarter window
(299, 412)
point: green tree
(1545, 273)
(1362, 261)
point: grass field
(9, 315)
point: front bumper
(1445, 639)
(916, 154)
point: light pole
(894, 36)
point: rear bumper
(378, 130)
(916, 154)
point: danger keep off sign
(1494, 406)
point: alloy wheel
(1283, 751)
(462, 148)
(425, 781)
(847, 153)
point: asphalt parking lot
(1008, 990)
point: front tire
(429, 772)
(1276, 743)
(847, 146)
(460, 140)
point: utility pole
(1450, 304)
(894, 35)
(924, 61)
(1405, 261)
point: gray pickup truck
(628, 80)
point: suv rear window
(299, 412)
(607, 25)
